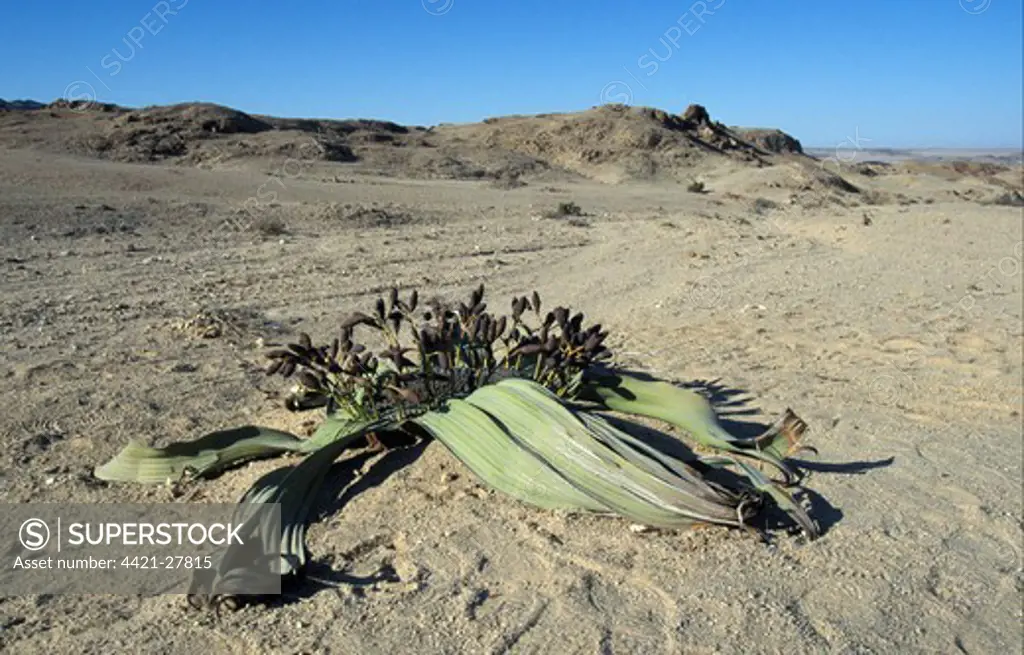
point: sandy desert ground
(137, 290)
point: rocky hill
(612, 143)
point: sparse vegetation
(569, 209)
(1008, 199)
(507, 181)
(565, 209)
(696, 186)
(139, 300)
(873, 197)
(270, 226)
(764, 205)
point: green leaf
(202, 457)
(296, 489)
(686, 410)
(670, 469)
(595, 458)
(334, 427)
(488, 449)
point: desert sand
(148, 255)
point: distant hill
(1009, 156)
(13, 105)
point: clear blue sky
(939, 73)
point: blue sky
(933, 73)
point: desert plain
(148, 256)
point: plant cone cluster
(448, 351)
(517, 398)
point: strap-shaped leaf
(655, 462)
(295, 488)
(488, 449)
(214, 452)
(626, 485)
(688, 411)
(202, 457)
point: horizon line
(842, 146)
